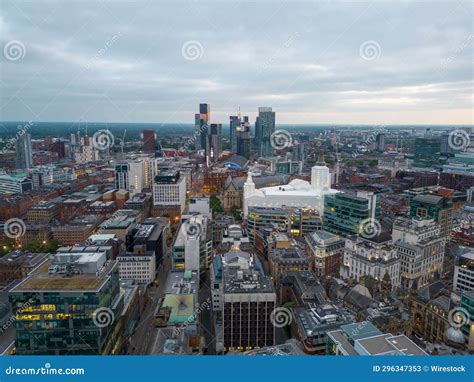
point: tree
(215, 204)
(235, 211)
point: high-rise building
(248, 300)
(215, 142)
(202, 126)
(243, 138)
(149, 141)
(380, 142)
(420, 249)
(264, 128)
(234, 122)
(24, 153)
(122, 176)
(70, 304)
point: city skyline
(314, 63)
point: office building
(139, 267)
(45, 175)
(215, 142)
(149, 141)
(363, 338)
(193, 245)
(326, 251)
(43, 212)
(69, 305)
(374, 257)
(85, 152)
(436, 207)
(284, 258)
(243, 139)
(294, 221)
(464, 272)
(248, 300)
(15, 183)
(264, 128)
(234, 122)
(24, 152)
(427, 152)
(169, 190)
(347, 214)
(420, 249)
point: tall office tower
(243, 138)
(73, 139)
(420, 249)
(24, 154)
(136, 176)
(149, 141)
(70, 304)
(215, 141)
(248, 300)
(234, 123)
(203, 129)
(266, 127)
(197, 131)
(380, 142)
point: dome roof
(454, 335)
(299, 184)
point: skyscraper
(264, 128)
(202, 128)
(24, 154)
(234, 123)
(243, 139)
(149, 141)
(215, 141)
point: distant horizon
(225, 123)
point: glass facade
(61, 322)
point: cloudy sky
(393, 62)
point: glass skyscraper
(264, 128)
(24, 153)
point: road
(140, 342)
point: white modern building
(138, 267)
(193, 245)
(464, 272)
(169, 190)
(298, 193)
(364, 257)
(420, 249)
